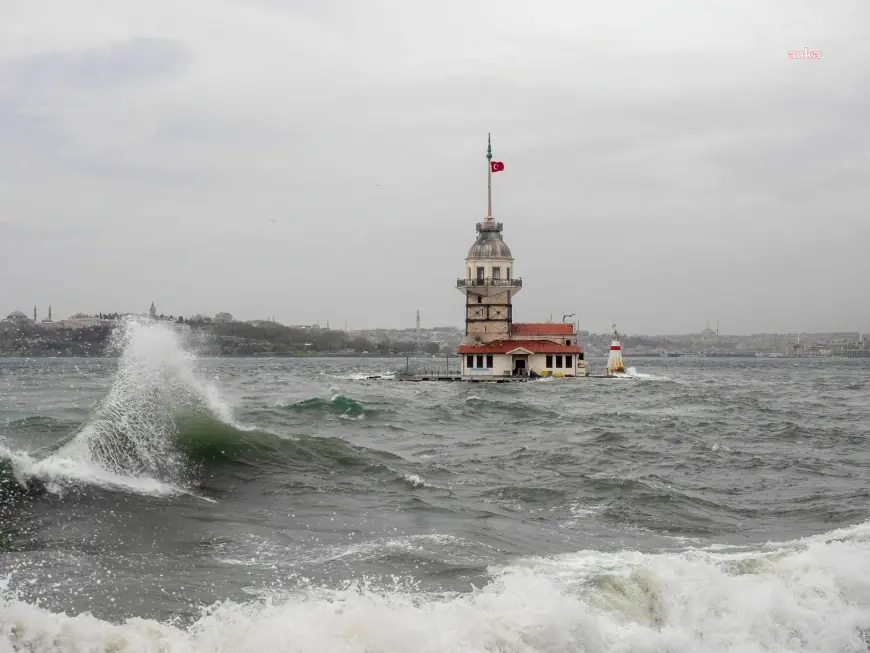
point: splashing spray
(130, 439)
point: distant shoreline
(629, 356)
(235, 355)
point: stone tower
(490, 281)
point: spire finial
(488, 146)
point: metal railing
(449, 366)
(480, 283)
(428, 371)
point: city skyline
(664, 165)
(344, 325)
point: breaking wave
(806, 595)
(130, 441)
(160, 423)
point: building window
(549, 363)
(480, 361)
(480, 274)
(496, 273)
(508, 274)
(558, 361)
(568, 342)
(568, 362)
(479, 299)
(489, 362)
(469, 361)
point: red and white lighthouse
(615, 365)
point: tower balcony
(465, 284)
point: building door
(520, 366)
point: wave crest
(809, 595)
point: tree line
(289, 339)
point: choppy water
(162, 502)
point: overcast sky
(666, 163)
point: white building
(494, 345)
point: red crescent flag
(496, 166)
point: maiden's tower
(495, 347)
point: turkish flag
(496, 166)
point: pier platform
(450, 372)
(457, 377)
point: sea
(159, 501)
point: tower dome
(489, 243)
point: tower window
(479, 299)
(489, 361)
(568, 362)
(567, 342)
(508, 274)
(558, 361)
(469, 361)
(496, 273)
(549, 363)
(480, 274)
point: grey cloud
(20, 129)
(655, 189)
(120, 64)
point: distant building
(152, 312)
(80, 322)
(223, 318)
(17, 317)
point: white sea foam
(365, 376)
(632, 373)
(809, 595)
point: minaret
(418, 323)
(49, 312)
(489, 283)
(34, 314)
(152, 311)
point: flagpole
(488, 176)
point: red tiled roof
(532, 346)
(542, 329)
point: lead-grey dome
(489, 243)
